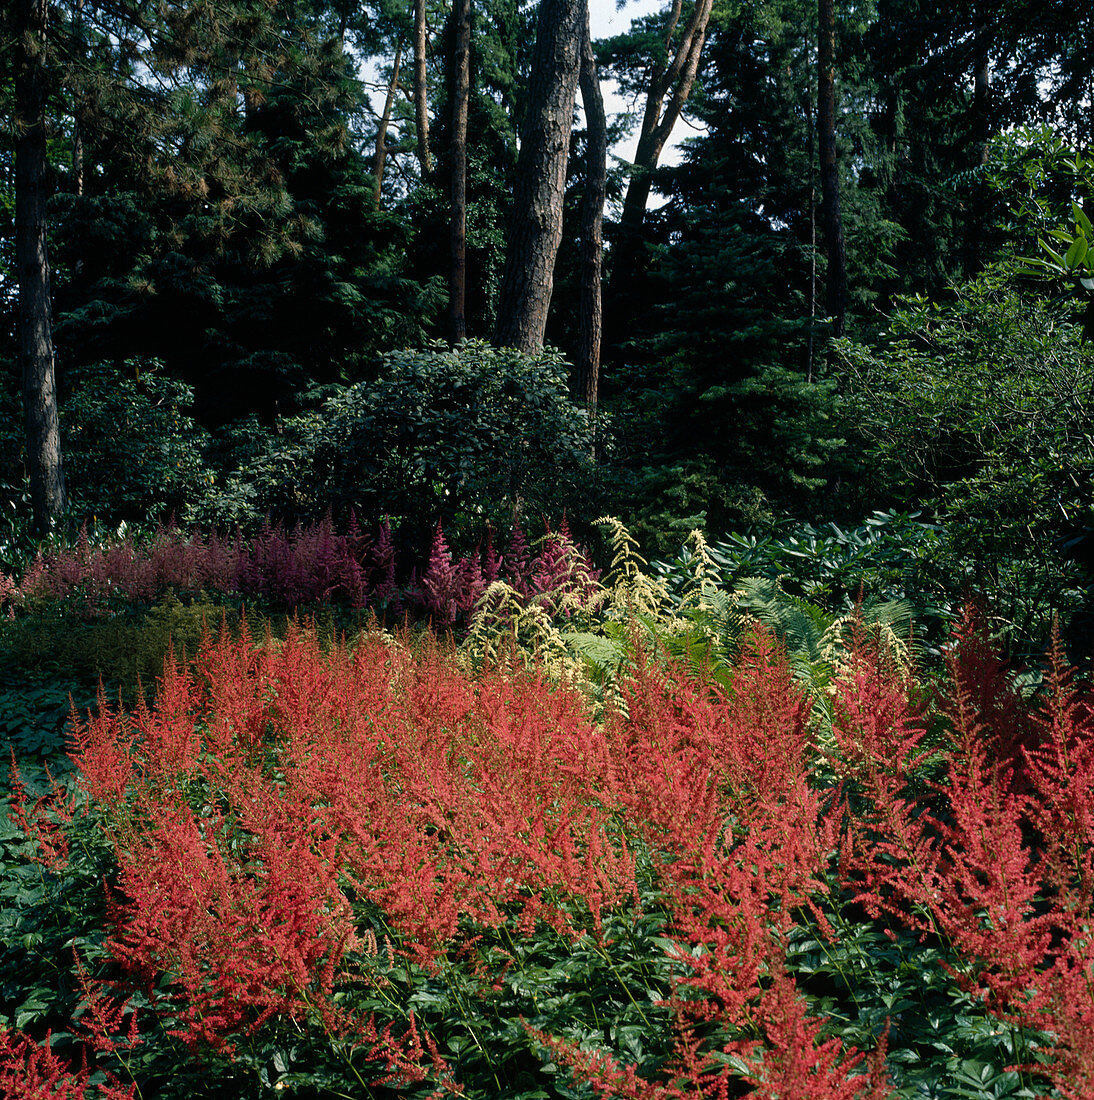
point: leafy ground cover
(391, 868)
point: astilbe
(997, 856)
(280, 808)
(31, 1071)
(718, 783)
(518, 561)
(259, 790)
(561, 573)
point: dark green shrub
(131, 449)
(462, 435)
(980, 409)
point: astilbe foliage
(996, 853)
(280, 810)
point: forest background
(848, 299)
(351, 753)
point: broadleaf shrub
(467, 434)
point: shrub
(980, 407)
(466, 435)
(132, 451)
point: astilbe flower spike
(996, 855)
(31, 1071)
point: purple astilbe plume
(440, 583)
(561, 569)
(358, 573)
(383, 568)
(491, 559)
(518, 561)
(470, 582)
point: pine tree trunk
(836, 275)
(380, 158)
(47, 485)
(980, 132)
(77, 131)
(672, 79)
(461, 90)
(421, 104)
(536, 228)
(592, 220)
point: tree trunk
(592, 220)
(672, 79)
(836, 275)
(380, 158)
(47, 487)
(536, 229)
(980, 131)
(421, 102)
(77, 132)
(461, 90)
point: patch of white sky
(606, 19)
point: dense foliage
(329, 867)
(351, 754)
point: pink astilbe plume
(518, 561)
(441, 582)
(561, 569)
(382, 558)
(492, 561)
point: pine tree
(536, 229)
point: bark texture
(47, 485)
(461, 90)
(832, 216)
(421, 95)
(536, 228)
(587, 381)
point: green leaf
(1055, 255)
(1076, 253)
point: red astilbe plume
(793, 1062)
(31, 1071)
(996, 856)
(718, 783)
(890, 854)
(1018, 902)
(44, 822)
(441, 801)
